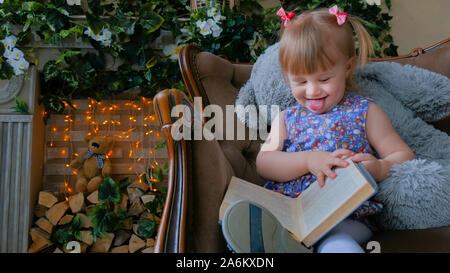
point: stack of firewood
(52, 212)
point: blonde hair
(305, 40)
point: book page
(284, 208)
(319, 203)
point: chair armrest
(171, 235)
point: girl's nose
(313, 91)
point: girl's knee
(339, 243)
(357, 230)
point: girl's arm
(384, 139)
(272, 163)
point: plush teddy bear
(92, 165)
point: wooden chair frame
(171, 237)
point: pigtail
(364, 40)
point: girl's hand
(320, 163)
(372, 164)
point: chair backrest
(217, 81)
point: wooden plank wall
(131, 123)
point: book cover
(317, 210)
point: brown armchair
(200, 170)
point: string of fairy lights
(104, 118)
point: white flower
(104, 37)
(17, 54)
(218, 17)
(18, 72)
(23, 64)
(205, 29)
(89, 32)
(106, 43)
(211, 12)
(9, 42)
(210, 23)
(74, 2)
(216, 30)
(373, 2)
(19, 65)
(199, 23)
(15, 66)
(106, 34)
(172, 51)
(14, 56)
(185, 30)
(8, 54)
(12, 62)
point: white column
(21, 159)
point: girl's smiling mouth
(316, 104)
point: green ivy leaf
(151, 62)
(109, 191)
(161, 145)
(158, 202)
(62, 236)
(148, 76)
(103, 221)
(69, 77)
(28, 23)
(122, 213)
(6, 70)
(158, 174)
(94, 22)
(76, 223)
(67, 53)
(147, 228)
(68, 32)
(150, 20)
(124, 183)
(388, 4)
(32, 6)
(21, 106)
(55, 19)
(152, 206)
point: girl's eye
(324, 80)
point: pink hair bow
(340, 16)
(286, 17)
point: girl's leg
(345, 238)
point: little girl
(318, 57)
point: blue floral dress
(342, 127)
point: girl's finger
(330, 173)
(334, 161)
(360, 157)
(321, 179)
(342, 152)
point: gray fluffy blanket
(417, 193)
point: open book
(317, 210)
